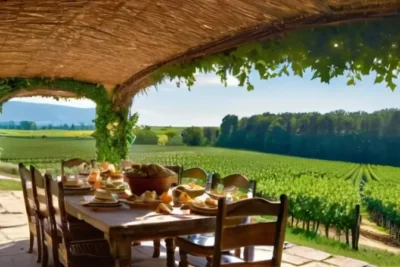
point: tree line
(339, 135)
(31, 125)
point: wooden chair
(233, 180)
(243, 235)
(178, 170)
(67, 251)
(240, 181)
(41, 209)
(33, 220)
(194, 174)
(75, 162)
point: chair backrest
(39, 195)
(26, 182)
(176, 169)
(51, 190)
(238, 180)
(64, 219)
(195, 174)
(71, 163)
(254, 234)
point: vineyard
(322, 193)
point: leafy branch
(354, 50)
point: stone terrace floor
(14, 244)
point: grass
(161, 130)
(47, 133)
(10, 185)
(373, 256)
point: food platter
(114, 190)
(192, 192)
(78, 187)
(203, 210)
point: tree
(72, 127)
(171, 134)
(192, 136)
(210, 135)
(349, 136)
(32, 125)
(145, 137)
(175, 141)
(25, 125)
(11, 125)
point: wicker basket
(139, 185)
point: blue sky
(209, 101)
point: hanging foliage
(354, 50)
(113, 132)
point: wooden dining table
(122, 226)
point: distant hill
(44, 114)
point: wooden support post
(355, 231)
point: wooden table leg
(248, 253)
(121, 251)
(170, 246)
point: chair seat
(230, 259)
(198, 245)
(90, 253)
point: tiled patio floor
(14, 243)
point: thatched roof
(121, 42)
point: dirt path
(369, 236)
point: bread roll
(212, 203)
(164, 209)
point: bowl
(139, 185)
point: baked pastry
(94, 176)
(103, 195)
(164, 209)
(132, 198)
(199, 203)
(243, 196)
(212, 203)
(149, 196)
(184, 197)
(166, 198)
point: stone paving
(14, 235)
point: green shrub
(175, 141)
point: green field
(159, 130)
(46, 133)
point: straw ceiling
(118, 43)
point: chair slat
(238, 180)
(253, 207)
(196, 173)
(74, 162)
(263, 233)
(258, 234)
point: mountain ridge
(43, 114)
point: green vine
(354, 50)
(113, 132)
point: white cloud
(208, 79)
(78, 103)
